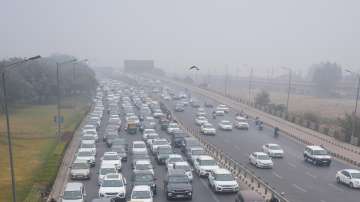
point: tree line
(35, 82)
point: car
(172, 159)
(225, 125)
(110, 137)
(171, 127)
(87, 156)
(91, 132)
(223, 108)
(104, 170)
(183, 165)
(121, 151)
(141, 193)
(350, 177)
(120, 142)
(221, 180)
(163, 153)
(180, 107)
(88, 139)
(248, 196)
(178, 139)
(242, 125)
(317, 155)
(112, 158)
(273, 150)
(193, 153)
(138, 146)
(177, 185)
(143, 165)
(157, 113)
(113, 185)
(207, 129)
(144, 178)
(188, 143)
(147, 132)
(200, 120)
(139, 156)
(158, 142)
(80, 169)
(219, 112)
(261, 160)
(73, 192)
(204, 164)
(88, 148)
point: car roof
(352, 170)
(113, 176)
(205, 157)
(107, 165)
(138, 142)
(174, 156)
(141, 188)
(273, 144)
(176, 172)
(110, 153)
(143, 162)
(315, 147)
(181, 163)
(73, 186)
(221, 171)
(260, 153)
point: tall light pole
(356, 103)
(250, 84)
(289, 88)
(226, 80)
(58, 119)
(11, 160)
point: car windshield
(175, 159)
(164, 150)
(263, 157)
(179, 179)
(143, 166)
(183, 167)
(144, 178)
(141, 195)
(355, 175)
(72, 195)
(104, 171)
(224, 177)
(111, 157)
(87, 146)
(87, 137)
(91, 132)
(208, 162)
(80, 166)
(139, 146)
(275, 147)
(320, 152)
(112, 183)
(85, 154)
(160, 142)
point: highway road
(202, 192)
(300, 181)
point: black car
(177, 185)
(144, 178)
(178, 139)
(162, 153)
(189, 142)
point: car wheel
(351, 185)
(338, 180)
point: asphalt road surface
(201, 191)
(300, 181)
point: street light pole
(11, 159)
(289, 88)
(356, 105)
(250, 84)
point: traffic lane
(304, 175)
(201, 190)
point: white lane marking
(311, 175)
(335, 187)
(277, 175)
(237, 147)
(299, 188)
(291, 164)
(212, 193)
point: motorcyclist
(260, 125)
(276, 132)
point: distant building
(138, 66)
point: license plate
(180, 196)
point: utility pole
(289, 89)
(353, 130)
(58, 119)
(250, 83)
(226, 80)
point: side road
(340, 150)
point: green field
(36, 150)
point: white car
(350, 177)
(207, 129)
(200, 120)
(91, 132)
(171, 127)
(139, 147)
(169, 162)
(142, 193)
(88, 139)
(158, 142)
(242, 125)
(148, 132)
(106, 169)
(73, 192)
(221, 180)
(113, 185)
(223, 108)
(261, 160)
(150, 138)
(186, 167)
(112, 158)
(204, 164)
(157, 113)
(143, 165)
(273, 150)
(88, 148)
(219, 112)
(194, 153)
(86, 156)
(225, 125)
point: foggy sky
(179, 33)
